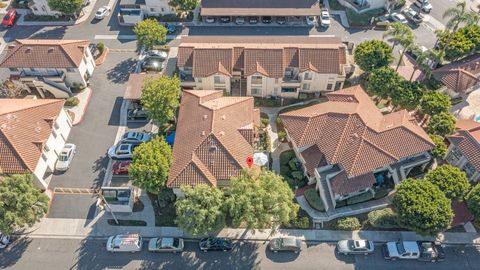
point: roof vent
(3, 126)
(389, 126)
(205, 117)
(203, 133)
(28, 49)
(222, 133)
(355, 135)
(38, 129)
(224, 117)
(50, 50)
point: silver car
(136, 137)
(348, 247)
(121, 151)
(166, 244)
(291, 244)
(65, 157)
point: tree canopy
(409, 95)
(261, 199)
(442, 124)
(67, 7)
(451, 180)
(160, 98)
(150, 33)
(473, 201)
(434, 102)
(151, 164)
(461, 43)
(440, 149)
(398, 33)
(201, 211)
(21, 204)
(373, 54)
(422, 207)
(383, 82)
(184, 5)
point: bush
(314, 200)
(298, 175)
(100, 47)
(384, 218)
(286, 156)
(293, 164)
(473, 201)
(360, 198)
(264, 122)
(282, 136)
(399, 4)
(348, 224)
(165, 197)
(72, 101)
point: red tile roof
(342, 185)
(212, 142)
(460, 75)
(25, 125)
(467, 139)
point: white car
(325, 18)
(347, 247)
(424, 5)
(157, 53)
(4, 240)
(121, 151)
(399, 18)
(136, 137)
(311, 20)
(125, 243)
(65, 157)
(102, 12)
(401, 250)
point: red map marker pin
(249, 162)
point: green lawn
(313, 198)
(362, 19)
(335, 5)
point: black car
(253, 20)
(215, 244)
(136, 114)
(225, 19)
(267, 19)
(431, 252)
(153, 63)
(281, 20)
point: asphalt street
(91, 254)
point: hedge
(286, 156)
(384, 218)
(313, 198)
(360, 198)
(348, 224)
(72, 101)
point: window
(338, 85)
(289, 90)
(469, 169)
(56, 125)
(329, 86)
(307, 76)
(219, 79)
(256, 79)
(13, 69)
(44, 157)
(46, 148)
(276, 80)
(70, 70)
(163, 9)
(306, 86)
(256, 91)
(454, 156)
(54, 133)
(153, 9)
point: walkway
(79, 110)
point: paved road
(91, 254)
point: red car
(10, 18)
(120, 167)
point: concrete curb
(84, 109)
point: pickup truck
(422, 251)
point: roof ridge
(47, 102)
(203, 169)
(228, 150)
(69, 56)
(360, 145)
(334, 158)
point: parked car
(170, 28)
(166, 244)
(209, 19)
(215, 244)
(281, 20)
(240, 20)
(87, 2)
(134, 137)
(399, 18)
(10, 18)
(412, 15)
(125, 243)
(431, 252)
(121, 151)
(253, 20)
(311, 20)
(157, 53)
(153, 63)
(65, 157)
(136, 114)
(102, 12)
(348, 247)
(401, 250)
(266, 19)
(291, 244)
(121, 167)
(424, 5)
(325, 18)
(4, 240)
(225, 19)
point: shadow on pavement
(99, 165)
(10, 255)
(281, 257)
(119, 73)
(114, 119)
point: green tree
(407, 43)
(261, 199)
(397, 32)
(450, 180)
(465, 41)
(458, 15)
(67, 7)
(383, 82)
(433, 103)
(184, 5)
(442, 124)
(151, 164)
(160, 98)
(473, 201)
(21, 204)
(373, 54)
(440, 149)
(201, 212)
(150, 33)
(409, 95)
(422, 207)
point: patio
(469, 108)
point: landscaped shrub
(297, 175)
(100, 47)
(360, 198)
(282, 136)
(348, 224)
(286, 156)
(293, 164)
(72, 101)
(313, 198)
(166, 196)
(264, 122)
(384, 218)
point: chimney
(11, 46)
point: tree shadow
(120, 72)
(114, 119)
(13, 252)
(51, 33)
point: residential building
(361, 6)
(460, 77)
(262, 66)
(215, 135)
(49, 67)
(463, 151)
(41, 8)
(32, 134)
(134, 11)
(294, 11)
(346, 146)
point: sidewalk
(79, 110)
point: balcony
(187, 80)
(358, 5)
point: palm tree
(458, 14)
(397, 32)
(422, 62)
(407, 43)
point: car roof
(167, 242)
(289, 241)
(360, 243)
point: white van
(125, 243)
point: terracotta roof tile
(460, 75)
(342, 185)
(320, 61)
(467, 139)
(185, 57)
(264, 61)
(207, 62)
(313, 158)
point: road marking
(77, 191)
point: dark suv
(267, 19)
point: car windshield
(400, 248)
(63, 157)
(139, 136)
(123, 147)
(99, 12)
(7, 17)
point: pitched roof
(260, 8)
(211, 141)
(342, 185)
(44, 53)
(25, 125)
(135, 85)
(268, 56)
(350, 130)
(467, 139)
(460, 75)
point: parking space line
(74, 191)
